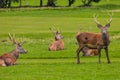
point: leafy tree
(2, 4)
(51, 3)
(70, 2)
(6, 3)
(10, 1)
(89, 2)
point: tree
(41, 3)
(70, 2)
(10, 1)
(51, 3)
(2, 4)
(89, 2)
(6, 3)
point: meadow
(32, 26)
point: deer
(58, 44)
(10, 58)
(92, 40)
(87, 51)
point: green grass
(61, 69)
(32, 26)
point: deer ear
(99, 26)
(107, 25)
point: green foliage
(96, 1)
(15, 0)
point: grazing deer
(10, 58)
(58, 44)
(95, 40)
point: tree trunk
(6, 3)
(51, 3)
(70, 2)
(41, 2)
(9, 4)
(84, 2)
(87, 2)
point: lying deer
(58, 44)
(10, 58)
(95, 40)
(89, 52)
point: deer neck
(105, 38)
(56, 39)
(15, 53)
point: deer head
(104, 32)
(103, 28)
(18, 46)
(57, 34)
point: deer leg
(84, 53)
(8, 61)
(78, 57)
(106, 51)
(99, 55)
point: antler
(52, 30)
(96, 19)
(11, 38)
(110, 18)
(58, 30)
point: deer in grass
(87, 51)
(58, 44)
(10, 58)
(95, 40)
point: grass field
(32, 26)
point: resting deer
(95, 40)
(89, 52)
(58, 44)
(10, 58)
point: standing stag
(95, 40)
(10, 58)
(58, 44)
(87, 51)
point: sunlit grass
(52, 69)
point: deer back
(8, 58)
(89, 38)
